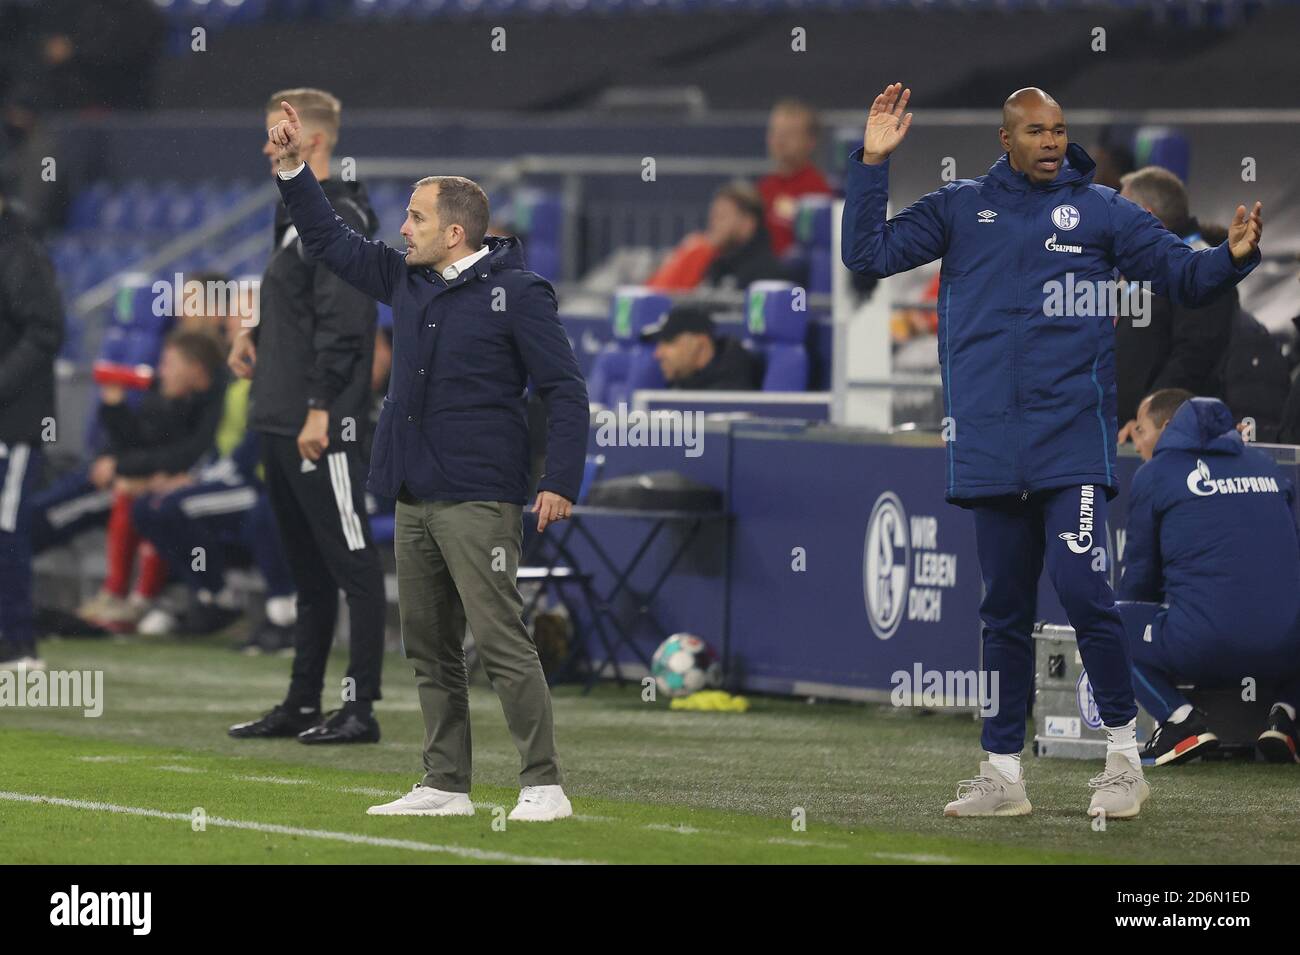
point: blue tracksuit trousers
(1063, 530)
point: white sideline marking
(181, 769)
(462, 851)
(665, 827)
(804, 844)
(912, 857)
(278, 780)
(366, 791)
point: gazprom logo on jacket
(1065, 218)
(1051, 245)
(903, 572)
(1201, 484)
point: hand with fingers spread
(286, 136)
(887, 124)
(1244, 233)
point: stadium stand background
(182, 186)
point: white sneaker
(541, 804)
(30, 664)
(426, 801)
(158, 622)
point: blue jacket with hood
(1030, 397)
(1211, 531)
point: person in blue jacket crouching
(1212, 535)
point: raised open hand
(1244, 233)
(887, 124)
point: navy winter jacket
(1212, 532)
(1031, 398)
(453, 424)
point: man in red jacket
(792, 130)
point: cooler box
(1066, 721)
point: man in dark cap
(695, 357)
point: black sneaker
(279, 722)
(268, 638)
(343, 726)
(1278, 743)
(202, 619)
(1175, 743)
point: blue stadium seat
(780, 333)
(1164, 147)
(538, 217)
(634, 308)
(85, 209)
(608, 372)
(812, 229)
(128, 354)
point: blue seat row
(776, 323)
(162, 206)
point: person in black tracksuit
(311, 356)
(31, 333)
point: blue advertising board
(843, 563)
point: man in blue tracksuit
(1029, 388)
(1212, 535)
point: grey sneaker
(989, 794)
(1119, 790)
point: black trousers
(320, 508)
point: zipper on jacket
(1015, 357)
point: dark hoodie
(750, 262)
(731, 369)
(1212, 532)
(316, 336)
(31, 330)
(453, 426)
(1179, 346)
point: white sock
(1008, 764)
(1123, 740)
(1180, 714)
(282, 611)
(1286, 708)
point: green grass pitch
(647, 784)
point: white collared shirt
(453, 271)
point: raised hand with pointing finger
(286, 136)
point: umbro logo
(987, 215)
